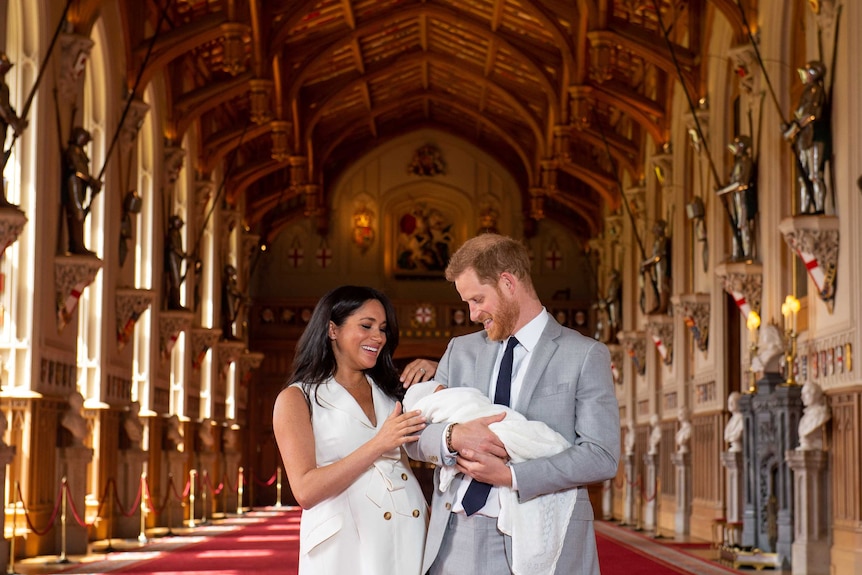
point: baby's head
(418, 391)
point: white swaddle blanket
(537, 527)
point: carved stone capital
(201, 340)
(636, 196)
(131, 303)
(663, 164)
(173, 163)
(12, 221)
(204, 189)
(72, 273)
(743, 281)
(230, 219)
(815, 241)
(537, 203)
(228, 352)
(746, 68)
(249, 246)
(171, 324)
(549, 174)
(280, 140)
(312, 199)
(260, 98)
(660, 329)
(74, 54)
(691, 126)
(634, 342)
(693, 308)
(249, 361)
(132, 123)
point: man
(558, 377)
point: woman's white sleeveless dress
(377, 525)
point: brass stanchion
(239, 492)
(142, 536)
(63, 558)
(109, 548)
(657, 496)
(10, 570)
(278, 486)
(204, 478)
(170, 505)
(192, 475)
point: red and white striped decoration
(815, 272)
(64, 314)
(662, 348)
(741, 303)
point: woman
(340, 427)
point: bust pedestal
(651, 494)
(72, 464)
(630, 487)
(682, 519)
(732, 462)
(131, 466)
(811, 554)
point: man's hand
(476, 437)
(488, 468)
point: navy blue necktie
(477, 492)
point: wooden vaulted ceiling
(288, 93)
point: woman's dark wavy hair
(314, 362)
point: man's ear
(508, 280)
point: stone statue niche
(770, 421)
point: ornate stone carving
(173, 162)
(746, 68)
(204, 189)
(171, 324)
(694, 310)
(743, 281)
(228, 352)
(131, 303)
(549, 175)
(201, 340)
(74, 54)
(581, 107)
(691, 127)
(603, 55)
(537, 203)
(12, 222)
(248, 362)
(815, 241)
(230, 219)
(663, 164)
(259, 99)
(134, 119)
(634, 343)
(660, 329)
(72, 273)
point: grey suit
(569, 387)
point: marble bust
(655, 435)
(733, 429)
(630, 437)
(683, 434)
(73, 421)
(814, 415)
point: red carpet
(626, 552)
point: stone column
(131, 466)
(174, 474)
(72, 464)
(811, 554)
(651, 494)
(630, 486)
(7, 452)
(682, 464)
(608, 500)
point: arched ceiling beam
(570, 202)
(601, 183)
(635, 110)
(251, 173)
(622, 150)
(419, 59)
(730, 10)
(177, 42)
(530, 6)
(192, 105)
(221, 143)
(422, 12)
(446, 101)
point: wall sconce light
(789, 309)
(753, 323)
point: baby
(537, 527)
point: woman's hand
(418, 370)
(399, 428)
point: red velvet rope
(214, 490)
(50, 521)
(71, 501)
(226, 481)
(134, 508)
(267, 483)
